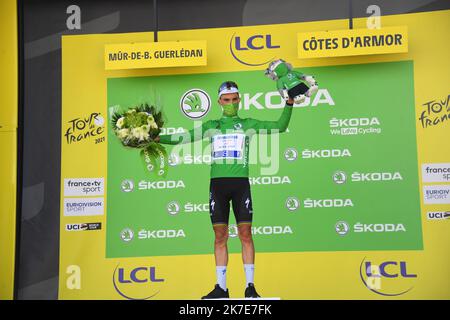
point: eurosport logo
(77, 207)
(436, 194)
(233, 230)
(253, 50)
(340, 177)
(83, 226)
(137, 283)
(438, 215)
(79, 187)
(195, 103)
(354, 126)
(436, 172)
(388, 278)
(127, 234)
(128, 185)
(342, 228)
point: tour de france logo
(195, 103)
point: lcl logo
(258, 42)
(141, 279)
(374, 275)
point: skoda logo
(174, 160)
(173, 208)
(232, 231)
(339, 177)
(126, 235)
(291, 154)
(127, 186)
(195, 103)
(342, 228)
(292, 203)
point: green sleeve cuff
(168, 139)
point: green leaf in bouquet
(115, 117)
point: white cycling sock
(221, 272)
(249, 273)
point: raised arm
(280, 125)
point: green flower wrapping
(137, 128)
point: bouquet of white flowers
(137, 128)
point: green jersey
(289, 80)
(229, 138)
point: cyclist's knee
(221, 235)
(245, 233)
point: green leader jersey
(229, 138)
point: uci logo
(255, 50)
(389, 278)
(135, 284)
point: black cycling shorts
(224, 190)
(301, 88)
